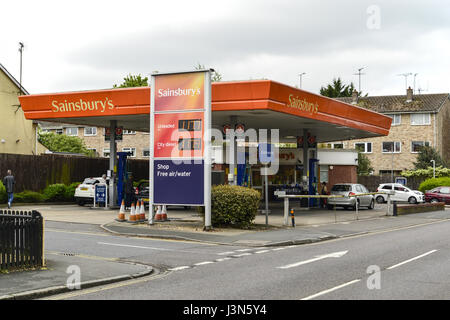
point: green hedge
(28, 196)
(70, 191)
(432, 183)
(234, 205)
(3, 194)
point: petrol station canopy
(258, 104)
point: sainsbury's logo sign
(81, 105)
(178, 92)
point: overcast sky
(84, 45)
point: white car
(85, 192)
(401, 193)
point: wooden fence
(36, 172)
(21, 239)
(372, 182)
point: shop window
(106, 153)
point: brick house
(94, 138)
(418, 120)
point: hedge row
(53, 193)
(432, 183)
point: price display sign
(180, 123)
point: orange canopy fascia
(226, 96)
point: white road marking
(277, 249)
(203, 263)
(243, 250)
(132, 246)
(179, 268)
(262, 251)
(331, 290)
(225, 253)
(223, 259)
(412, 259)
(330, 255)
(242, 254)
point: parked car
(401, 193)
(85, 192)
(142, 192)
(439, 194)
(347, 190)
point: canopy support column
(113, 165)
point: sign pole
(152, 152)
(207, 152)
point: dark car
(142, 192)
(439, 194)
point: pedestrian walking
(323, 201)
(9, 182)
(129, 192)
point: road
(407, 263)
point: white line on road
(242, 254)
(277, 249)
(203, 263)
(179, 268)
(223, 259)
(331, 290)
(225, 253)
(317, 258)
(262, 251)
(412, 259)
(243, 250)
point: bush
(55, 193)
(28, 196)
(433, 183)
(70, 191)
(234, 205)
(3, 194)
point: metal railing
(21, 239)
(287, 197)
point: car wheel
(434, 200)
(412, 200)
(80, 202)
(372, 205)
(380, 199)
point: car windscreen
(341, 187)
(90, 181)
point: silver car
(347, 190)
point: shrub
(433, 183)
(70, 191)
(55, 192)
(3, 194)
(28, 196)
(234, 205)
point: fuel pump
(313, 173)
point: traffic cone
(137, 212)
(164, 213)
(132, 213)
(158, 216)
(121, 216)
(142, 212)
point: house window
(129, 132)
(420, 119)
(94, 151)
(365, 147)
(72, 131)
(392, 147)
(396, 119)
(90, 131)
(130, 150)
(106, 153)
(146, 153)
(415, 145)
(59, 131)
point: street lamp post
(434, 168)
(300, 76)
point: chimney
(354, 97)
(409, 94)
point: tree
(337, 89)
(215, 76)
(364, 166)
(133, 81)
(63, 143)
(426, 154)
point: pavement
(312, 225)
